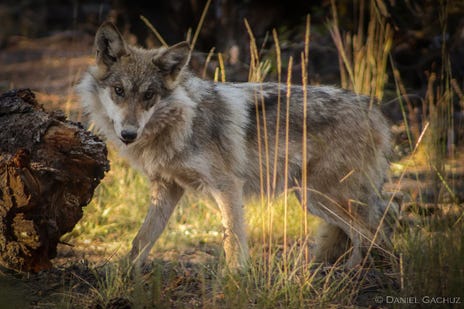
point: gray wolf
(186, 133)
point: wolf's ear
(172, 60)
(109, 44)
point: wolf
(186, 133)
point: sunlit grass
(117, 208)
(363, 56)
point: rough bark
(49, 168)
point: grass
(363, 56)
(432, 255)
(188, 259)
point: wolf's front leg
(164, 199)
(230, 202)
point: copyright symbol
(378, 299)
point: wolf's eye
(148, 95)
(119, 91)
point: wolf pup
(186, 133)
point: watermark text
(411, 300)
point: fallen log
(49, 168)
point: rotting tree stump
(49, 169)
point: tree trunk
(49, 168)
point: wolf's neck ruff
(223, 139)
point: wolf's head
(132, 81)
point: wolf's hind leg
(164, 200)
(331, 243)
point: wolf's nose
(128, 136)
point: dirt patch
(51, 66)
